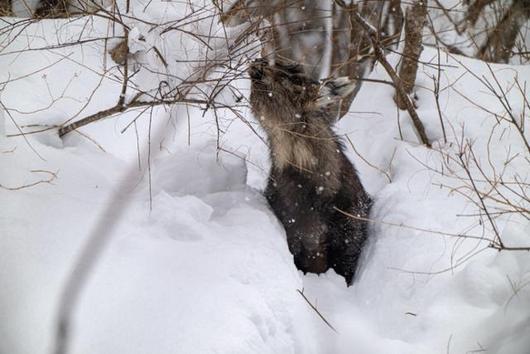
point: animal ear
(334, 90)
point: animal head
(283, 89)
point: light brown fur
(299, 134)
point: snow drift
(207, 269)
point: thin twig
(385, 173)
(49, 180)
(301, 292)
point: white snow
(207, 270)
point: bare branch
(380, 57)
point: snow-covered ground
(207, 270)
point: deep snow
(207, 270)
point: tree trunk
(393, 23)
(414, 22)
(344, 56)
(302, 29)
(5, 7)
(340, 41)
(351, 47)
(501, 40)
(474, 10)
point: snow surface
(207, 270)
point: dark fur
(310, 175)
